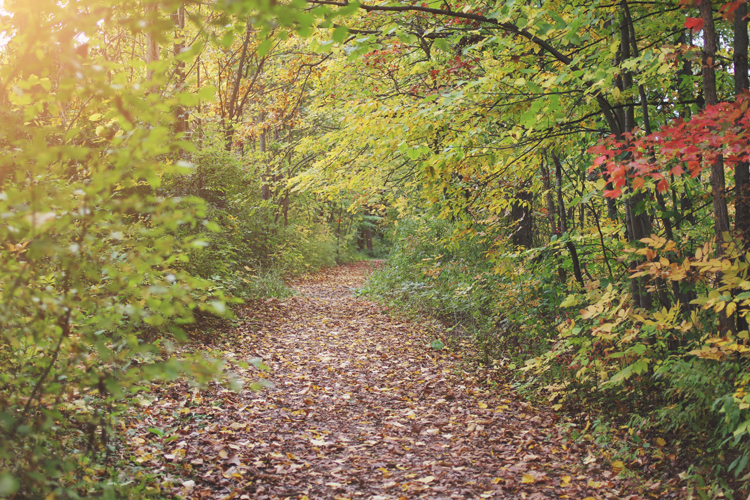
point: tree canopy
(569, 180)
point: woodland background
(565, 181)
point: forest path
(362, 407)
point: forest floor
(361, 406)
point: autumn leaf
(306, 421)
(694, 23)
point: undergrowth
(643, 376)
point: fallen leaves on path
(362, 406)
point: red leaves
(719, 131)
(614, 193)
(694, 23)
(727, 11)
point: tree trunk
(232, 105)
(644, 221)
(266, 189)
(178, 18)
(152, 46)
(721, 214)
(742, 170)
(637, 223)
(741, 84)
(522, 220)
(550, 200)
(564, 221)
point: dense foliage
(568, 181)
(571, 179)
(128, 213)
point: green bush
(495, 299)
(94, 288)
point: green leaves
(93, 263)
(8, 484)
(340, 34)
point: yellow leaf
(660, 442)
(565, 481)
(730, 308)
(594, 484)
(527, 479)
(617, 465)
(95, 117)
(483, 406)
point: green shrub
(94, 290)
(496, 300)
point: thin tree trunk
(522, 220)
(178, 18)
(741, 84)
(232, 101)
(152, 46)
(266, 189)
(685, 93)
(550, 200)
(661, 287)
(638, 223)
(721, 215)
(564, 223)
(742, 170)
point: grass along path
(361, 407)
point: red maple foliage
(719, 131)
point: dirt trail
(361, 407)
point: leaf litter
(359, 403)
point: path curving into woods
(361, 407)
